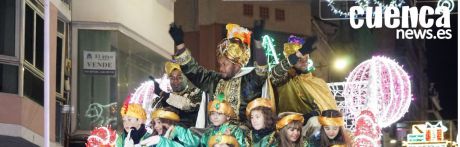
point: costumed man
(239, 84)
(184, 96)
(299, 91)
(134, 131)
(168, 133)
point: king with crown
(240, 84)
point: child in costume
(261, 114)
(134, 131)
(289, 128)
(220, 112)
(332, 132)
(166, 131)
(223, 141)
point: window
(34, 40)
(34, 52)
(8, 78)
(60, 52)
(7, 27)
(248, 9)
(279, 14)
(9, 60)
(105, 93)
(33, 87)
(264, 13)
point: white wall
(148, 18)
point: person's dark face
(302, 63)
(227, 69)
(177, 81)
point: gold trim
(161, 113)
(183, 58)
(331, 121)
(288, 119)
(226, 139)
(259, 102)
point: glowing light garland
(388, 93)
(364, 4)
(450, 4)
(367, 131)
(102, 137)
(102, 115)
(270, 52)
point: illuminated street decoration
(367, 132)
(364, 4)
(387, 92)
(376, 94)
(102, 137)
(270, 52)
(102, 115)
(428, 134)
(450, 4)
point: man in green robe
(240, 85)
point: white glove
(128, 141)
(169, 131)
(153, 140)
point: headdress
(288, 119)
(161, 113)
(170, 66)
(221, 106)
(259, 102)
(133, 110)
(236, 46)
(330, 121)
(226, 139)
(293, 45)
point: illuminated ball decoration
(386, 90)
(102, 137)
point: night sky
(442, 70)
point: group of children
(265, 128)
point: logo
(410, 22)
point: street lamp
(341, 63)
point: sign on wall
(101, 63)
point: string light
(102, 137)
(367, 131)
(270, 52)
(388, 93)
(364, 4)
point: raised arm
(279, 73)
(204, 79)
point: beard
(230, 75)
(177, 88)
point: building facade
(128, 36)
